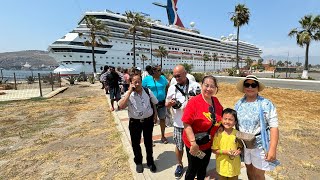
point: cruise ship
(184, 45)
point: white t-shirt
(174, 93)
(189, 76)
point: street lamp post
(1, 73)
(151, 25)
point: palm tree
(215, 58)
(162, 52)
(143, 58)
(240, 17)
(309, 30)
(137, 23)
(205, 58)
(98, 33)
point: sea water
(20, 74)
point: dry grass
(66, 137)
(299, 124)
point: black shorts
(114, 93)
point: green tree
(161, 52)
(298, 63)
(240, 17)
(138, 26)
(143, 58)
(215, 58)
(249, 62)
(187, 67)
(98, 33)
(280, 64)
(205, 58)
(309, 31)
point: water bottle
(198, 90)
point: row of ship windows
(137, 58)
(163, 64)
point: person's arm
(194, 148)
(123, 102)
(154, 101)
(272, 120)
(274, 137)
(169, 101)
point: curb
(55, 92)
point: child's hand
(237, 152)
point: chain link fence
(15, 86)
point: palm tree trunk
(161, 62)
(204, 66)
(306, 64)
(134, 49)
(93, 61)
(238, 32)
(214, 65)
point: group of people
(201, 125)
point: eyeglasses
(213, 115)
(177, 76)
(253, 85)
(157, 70)
(209, 86)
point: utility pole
(287, 65)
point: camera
(191, 93)
(177, 105)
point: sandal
(164, 140)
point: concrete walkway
(164, 154)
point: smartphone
(274, 163)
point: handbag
(247, 139)
(205, 137)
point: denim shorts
(162, 112)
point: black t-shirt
(113, 79)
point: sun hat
(252, 77)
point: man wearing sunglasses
(177, 97)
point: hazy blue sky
(34, 24)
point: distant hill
(312, 59)
(35, 58)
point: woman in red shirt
(197, 118)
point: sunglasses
(253, 85)
(213, 115)
(157, 70)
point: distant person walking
(103, 78)
(113, 80)
(177, 97)
(142, 113)
(257, 116)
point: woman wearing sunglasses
(202, 112)
(257, 116)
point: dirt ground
(299, 126)
(70, 136)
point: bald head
(180, 74)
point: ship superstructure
(183, 46)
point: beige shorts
(256, 157)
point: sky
(35, 24)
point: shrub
(91, 79)
(71, 80)
(30, 79)
(198, 76)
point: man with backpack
(143, 114)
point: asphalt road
(308, 85)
